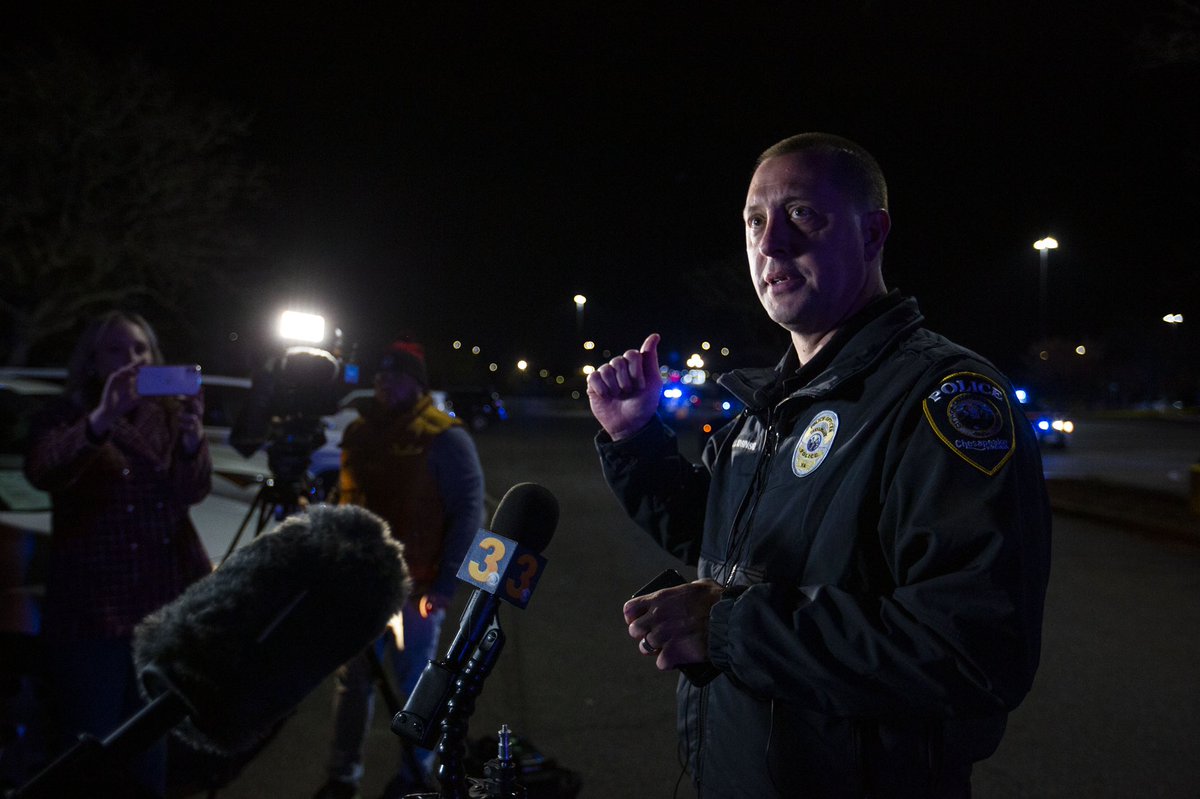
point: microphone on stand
(503, 563)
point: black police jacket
(882, 527)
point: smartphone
(698, 674)
(169, 381)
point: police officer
(871, 534)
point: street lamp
(1043, 246)
(579, 302)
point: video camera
(283, 410)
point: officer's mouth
(779, 282)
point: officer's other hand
(624, 392)
(672, 624)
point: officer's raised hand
(624, 392)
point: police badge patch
(814, 444)
(970, 413)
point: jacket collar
(866, 338)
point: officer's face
(814, 256)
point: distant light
(1044, 355)
(725, 351)
(672, 393)
(299, 326)
(492, 367)
(726, 405)
(560, 379)
(1068, 426)
(1022, 396)
(1081, 350)
(580, 299)
(1043, 425)
(544, 373)
(704, 345)
(1048, 243)
(233, 336)
(589, 345)
(522, 364)
(475, 350)
(587, 370)
(707, 428)
(574, 395)
(457, 345)
(1173, 319)
(1057, 424)
(696, 362)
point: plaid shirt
(122, 542)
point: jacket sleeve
(459, 477)
(193, 474)
(61, 449)
(662, 491)
(957, 632)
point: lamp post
(579, 303)
(1043, 246)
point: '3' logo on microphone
(502, 567)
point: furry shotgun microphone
(245, 645)
(238, 650)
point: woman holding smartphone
(122, 470)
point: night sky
(462, 170)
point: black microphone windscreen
(246, 644)
(528, 514)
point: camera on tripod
(287, 399)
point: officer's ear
(875, 227)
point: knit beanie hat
(406, 358)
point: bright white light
(1068, 427)
(580, 299)
(457, 345)
(1173, 319)
(298, 326)
(704, 345)
(1048, 243)
(672, 393)
(725, 405)
(1081, 350)
(1057, 424)
(1021, 395)
(587, 370)
(522, 364)
(475, 350)
(589, 345)
(696, 362)
(1043, 425)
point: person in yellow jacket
(416, 467)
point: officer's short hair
(855, 169)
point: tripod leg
(258, 503)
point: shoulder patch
(971, 415)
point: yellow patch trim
(1012, 433)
